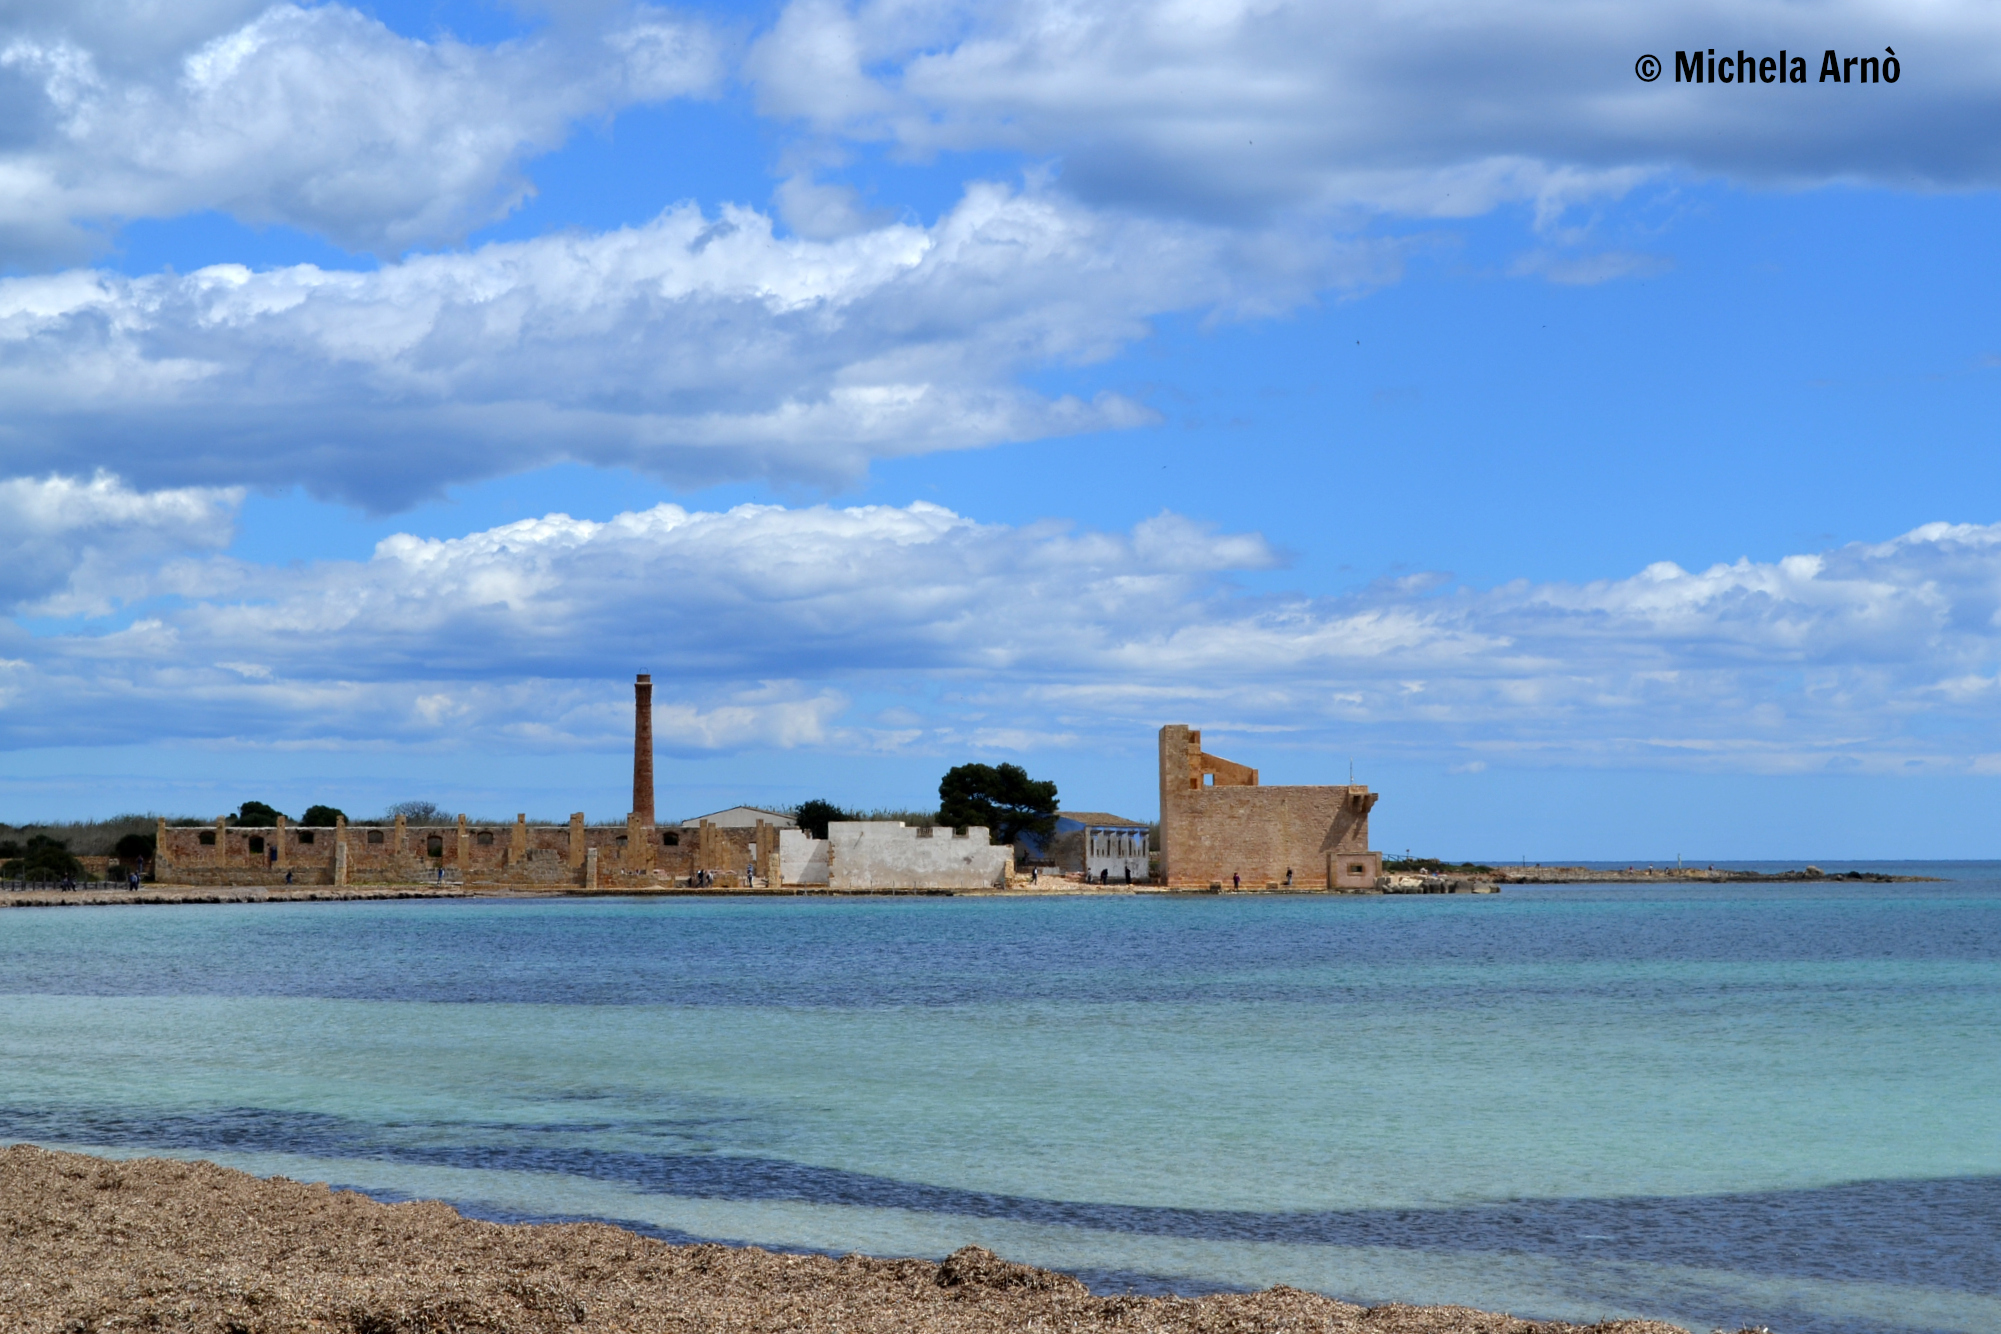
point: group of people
(68, 883)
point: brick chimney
(642, 749)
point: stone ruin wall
(1230, 825)
(522, 855)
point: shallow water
(1764, 1105)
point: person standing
(1288, 877)
(1236, 881)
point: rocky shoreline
(165, 894)
(1574, 875)
(92, 1244)
(1469, 882)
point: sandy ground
(88, 1244)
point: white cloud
(766, 625)
(697, 347)
(314, 116)
(70, 547)
(1240, 108)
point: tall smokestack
(642, 748)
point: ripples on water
(1718, 1105)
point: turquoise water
(1769, 1105)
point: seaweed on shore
(89, 1244)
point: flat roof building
(1220, 828)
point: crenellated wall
(519, 854)
(865, 856)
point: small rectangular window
(305, 836)
(484, 839)
(206, 838)
(256, 843)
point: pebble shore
(92, 1244)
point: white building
(1113, 846)
(862, 855)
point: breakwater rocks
(1434, 884)
(1598, 875)
(91, 1244)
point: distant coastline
(1591, 875)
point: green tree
(256, 814)
(40, 858)
(322, 817)
(814, 816)
(1000, 796)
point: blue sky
(1602, 468)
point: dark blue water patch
(1632, 1288)
(1101, 1282)
(914, 952)
(1932, 1233)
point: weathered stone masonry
(1217, 822)
(517, 854)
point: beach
(1555, 1103)
(96, 1244)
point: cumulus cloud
(70, 547)
(699, 347)
(314, 116)
(765, 625)
(1241, 108)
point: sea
(1722, 1106)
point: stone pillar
(576, 857)
(159, 845)
(340, 849)
(705, 847)
(284, 853)
(517, 847)
(221, 847)
(591, 869)
(767, 853)
(465, 847)
(642, 751)
(638, 842)
(1174, 784)
(396, 848)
